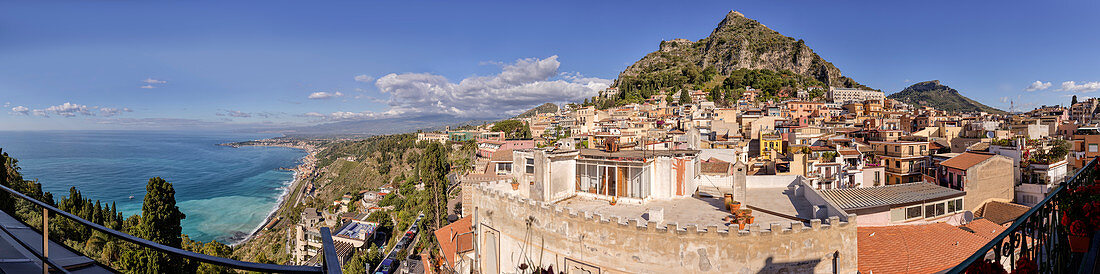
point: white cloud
(1072, 86)
(148, 86)
(313, 115)
(21, 110)
(324, 95)
(153, 81)
(108, 112)
(234, 113)
(364, 78)
(69, 110)
(519, 86)
(1038, 85)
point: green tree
(1073, 101)
(7, 202)
(433, 169)
(513, 129)
(685, 97)
(160, 223)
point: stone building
(985, 177)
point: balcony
(24, 250)
(1039, 242)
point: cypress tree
(7, 203)
(159, 222)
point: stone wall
(513, 231)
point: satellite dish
(990, 134)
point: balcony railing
(1037, 236)
(329, 263)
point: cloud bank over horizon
(519, 86)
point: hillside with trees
(942, 97)
(736, 44)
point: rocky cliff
(737, 43)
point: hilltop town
(748, 168)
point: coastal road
(405, 240)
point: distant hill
(544, 108)
(942, 97)
(738, 43)
(381, 126)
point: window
(504, 168)
(1092, 147)
(530, 169)
(910, 150)
(939, 209)
(897, 149)
(951, 206)
(897, 164)
(959, 179)
(930, 211)
(912, 212)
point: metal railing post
(330, 263)
(45, 240)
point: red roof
(966, 160)
(455, 239)
(923, 248)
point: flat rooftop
(358, 230)
(702, 211)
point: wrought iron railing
(329, 262)
(1037, 236)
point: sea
(226, 192)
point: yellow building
(770, 143)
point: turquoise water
(226, 192)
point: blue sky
(210, 64)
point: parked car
(386, 267)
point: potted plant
(515, 184)
(613, 201)
(734, 206)
(1080, 208)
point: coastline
(301, 172)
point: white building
(853, 95)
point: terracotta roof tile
(455, 239)
(966, 160)
(1001, 213)
(715, 166)
(502, 156)
(916, 248)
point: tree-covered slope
(737, 43)
(942, 97)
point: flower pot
(734, 206)
(1079, 243)
(741, 225)
(515, 186)
(749, 219)
(727, 199)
